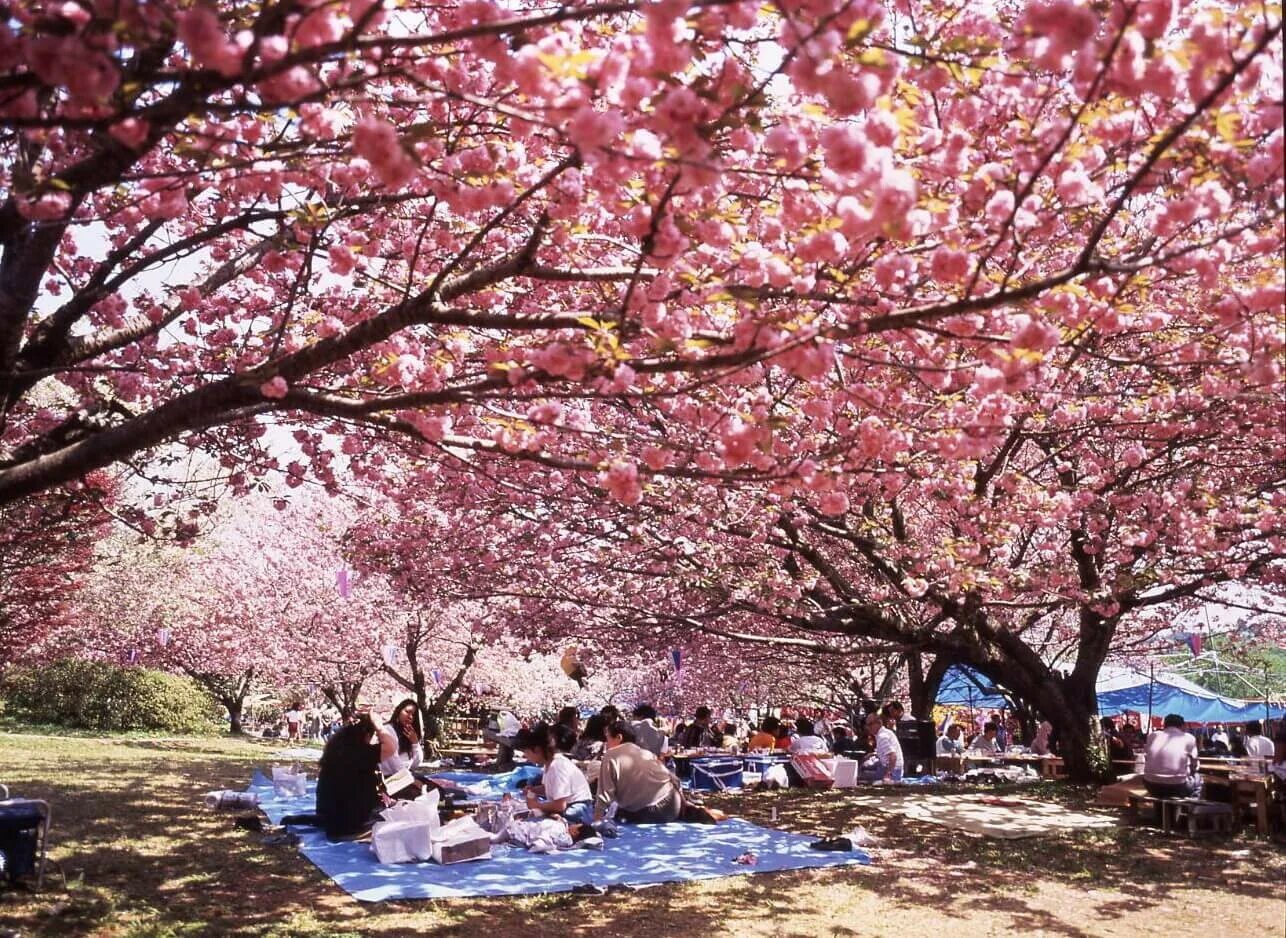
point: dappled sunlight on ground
(143, 857)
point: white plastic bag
(288, 780)
(405, 834)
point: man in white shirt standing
(1170, 761)
(887, 763)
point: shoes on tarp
(249, 822)
(832, 843)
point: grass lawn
(142, 857)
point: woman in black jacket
(348, 781)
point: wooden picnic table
(1245, 792)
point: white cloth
(1220, 736)
(888, 749)
(1259, 747)
(1169, 756)
(294, 716)
(539, 835)
(563, 780)
(808, 745)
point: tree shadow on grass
(141, 851)
(1143, 867)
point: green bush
(100, 696)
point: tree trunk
(234, 707)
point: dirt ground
(141, 857)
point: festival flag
(389, 653)
(1194, 643)
(341, 582)
(163, 637)
(132, 657)
(676, 655)
(437, 677)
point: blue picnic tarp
(642, 855)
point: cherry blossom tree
(46, 548)
(906, 328)
(452, 221)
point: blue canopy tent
(965, 687)
(1120, 689)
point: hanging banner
(1194, 644)
(437, 677)
(389, 654)
(163, 637)
(341, 582)
(132, 657)
(676, 655)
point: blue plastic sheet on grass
(642, 855)
(488, 787)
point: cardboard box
(460, 841)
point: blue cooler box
(716, 774)
(762, 762)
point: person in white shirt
(646, 734)
(985, 742)
(887, 763)
(401, 740)
(1258, 746)
(1220, 736)
(1170, 761)
(294, 721)
(807, 742)
(949, 743)
(563, 787)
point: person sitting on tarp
(400, 745)
(766, 736)
(844, 743)
(563, 788)
(886, 764)
(348, 780)
(807, 742)
(645, 731)
(643, 790)
(590, 745)
(700, 734)
(1170, 761)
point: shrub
(100, 696)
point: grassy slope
(142, 858)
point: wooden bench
(1199, 817)
(1204, 817)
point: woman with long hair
(401, 739)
